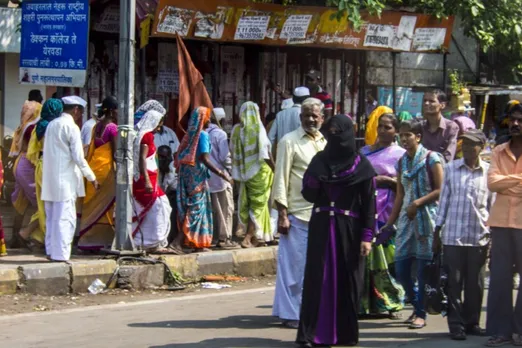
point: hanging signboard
(277, 25)
(405, 99)
(54, 43)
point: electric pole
(123, 241)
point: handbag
(435, 298)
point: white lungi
(291, 262)
(60, 227)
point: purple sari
(383, 161)
(381, 292)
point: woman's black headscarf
(340, 161)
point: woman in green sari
(253, 167)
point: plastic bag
(435, 299)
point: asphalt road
(210, 320)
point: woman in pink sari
(381, 293)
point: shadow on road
(233, 342)
(248, 322)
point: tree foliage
(495, 24)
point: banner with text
(277, 25)
(54, 43)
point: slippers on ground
(498, 341)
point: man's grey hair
(310, 103)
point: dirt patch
(23, 303)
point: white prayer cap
(301, 92)
(74, 100)
(287, 104)
(219, 113)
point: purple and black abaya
(340, 184)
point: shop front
(244, 50)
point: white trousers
(60, 226)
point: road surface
(204, 320)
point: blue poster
(54, 42)
(406, 99)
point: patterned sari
(97, 223)
(382, 293)
(414, 238)
(193, 195)
(250, 147)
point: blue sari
(193, 194)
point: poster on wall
(428, 39)
(296, 27)
(252, 28)
(168, 72)
(405, 99)
(378, 35)
(54, 42)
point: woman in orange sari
(97, 223)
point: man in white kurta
(294, 154)
(62, 182)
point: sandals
(498, 341)
(410, 319)
(414, 326)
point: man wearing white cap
(62, 183)
(221, 190)
(288, 120)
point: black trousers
(506, 250)
(466, 270)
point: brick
(85, 272)
(216, 262)
(255, 262)
(8, 279)
(46, 278)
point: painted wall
(14, 94)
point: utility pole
(123, 241)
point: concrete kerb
(62, 278)
(8, 279)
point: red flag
(192, 91)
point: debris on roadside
(214, 286)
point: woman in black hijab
(339, 182)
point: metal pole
(394, 80)
(124, 157)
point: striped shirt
(326, 98)
(464, 204)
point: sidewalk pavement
(23, 272)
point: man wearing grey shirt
(220, 190)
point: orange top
(505, 178)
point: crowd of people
(356, 227)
